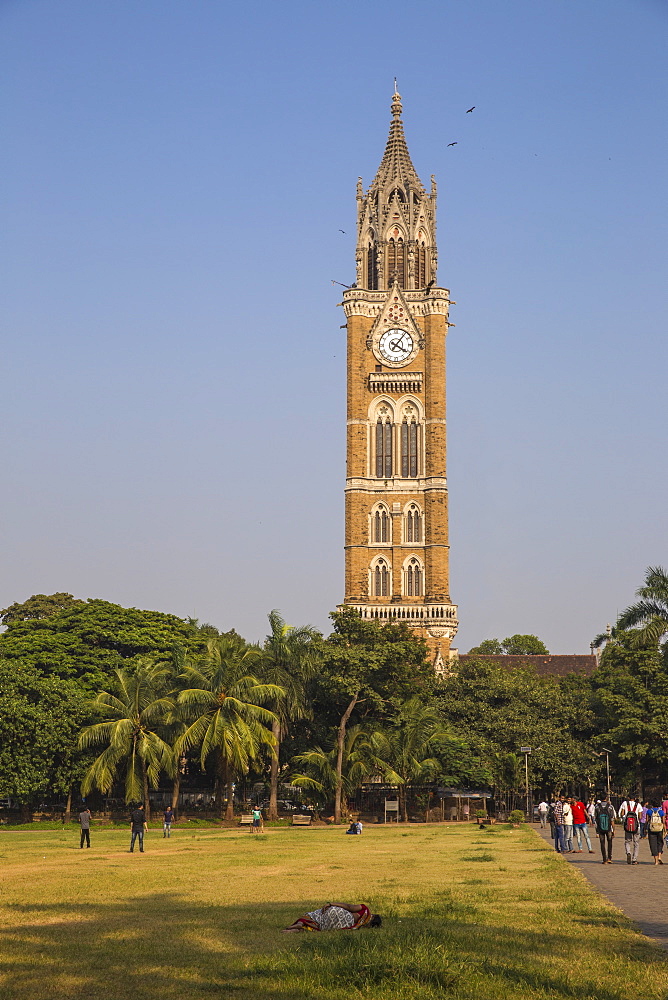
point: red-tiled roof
(545, 666)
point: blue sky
(172, 386)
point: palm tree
(360, 760)
(138, 706)
(649, 617)
(223, 702)
(410, 747)
(289, 656)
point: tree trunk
(176, 788)
(229, 786)
(219, 785)
(67, 815)
(403, 803)
(273, 777)
(147, 801)
(339, 756)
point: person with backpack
(604, 819)
(629, 813)
(656, 830)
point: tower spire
(396, 218)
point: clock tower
(396, 533)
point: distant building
(545, 666)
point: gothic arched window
(414, 576)
(371, 269)
(395, 261)
(413, 530)
(383, 448)
(380, 526)
(409, 448)
(421, 267)
(380, 579)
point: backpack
(603, 821)
(550, 814)
(655, 822)
(631, 821)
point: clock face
(396, 345)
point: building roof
(396, 167)
(545, 666)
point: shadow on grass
(159, 947)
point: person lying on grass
(336, 917)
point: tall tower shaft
(396, 527)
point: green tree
(87, 641)
(137, 708)
(223, 702)
(323, 772)
(410, 746)
(365, 664)
(649, 616)
(514, 645)
(40, 718)
(288, 660)
(37, 606)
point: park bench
(301, 820)
(246, 819)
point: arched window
(371, 269)
(383, 448)
(414, 575)
(421, 267)
(380, 579)
(409, 448)
(380, 530)
(395, 261)
(414, 525)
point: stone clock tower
(396, 490)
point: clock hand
(395, 345)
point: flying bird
(470, 110)
(343, 231)
(452, 144)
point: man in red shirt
(580, 824)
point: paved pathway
(633, 888)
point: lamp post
(526, 751)
(607, 753)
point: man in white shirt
(543, 809)
(568, 825)
(629, 813)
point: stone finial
(396, 102)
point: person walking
(543, 809)
(656, 831)
(643, 820)
(167, 818)
(84, 823)
(568, 825)
(591, 809)
(559, 845)
(257, 825)
(550, 817)
(629, 813)
(139, 827)
(604, 819)
(580, 824)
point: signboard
(525, 749)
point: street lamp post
(607, 753)
(526, 751)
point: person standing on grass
(167, 818)
(604, 818)
(139, 827)
(559, 845)
(656, 830)
(543, 809)
(257, 824)
(580, 824)
(629, 813)
(568, 825)
(84, 823)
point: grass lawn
(467, 914)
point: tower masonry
(396, 525)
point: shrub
(516, 816)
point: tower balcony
(397, 382)
(428, 615)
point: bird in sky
(452, 144)
(343, 231)
(470, 110)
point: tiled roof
(545, 666)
